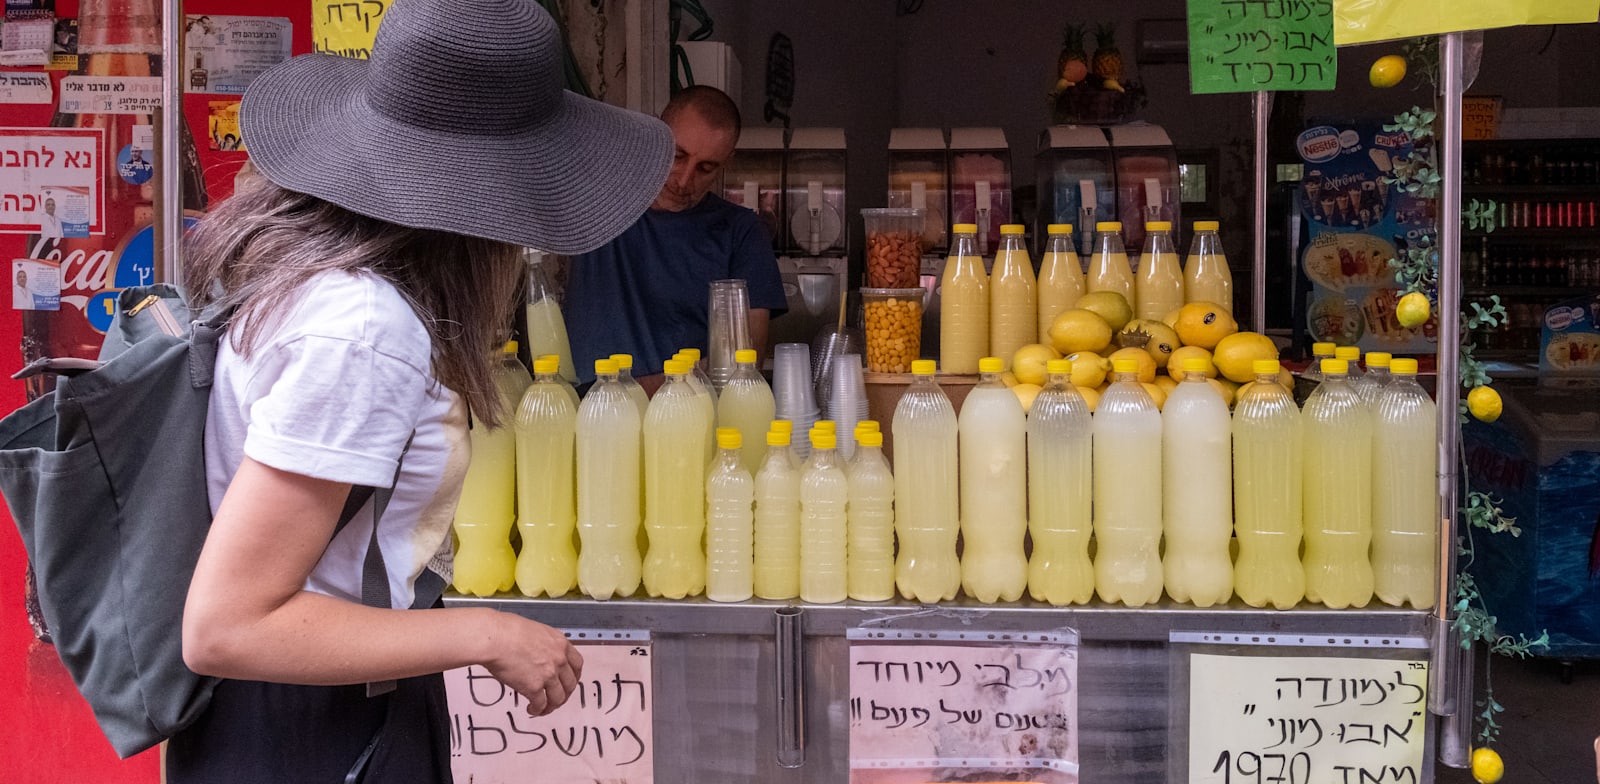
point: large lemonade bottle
(824, 493)
(925, 490)
(870, 515)
(609, 486)
(1378, 376)
(1206, 277)
(704, 393)
(545, 427)
(675, 482)
(1338, 492)
(1159, 288)
(1060, 277)
(994, 489)
(730, 533)
(547, 330)
(636, 393)
(1013, 296)
(1060, 470)
(1405, 511)
(1366, 386)
(746, 405)
(777, 520)
(1108, 265)
(1267, 492)
(566, 384)
(963, 304)
(1127, 515)
(1197, 486)
(484, 562)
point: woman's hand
(534, 660)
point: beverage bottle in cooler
(547, 330)
(963, 304)
(1013, 296)
(869, 551)
(1337, 430)
(1127, 515)
(1060, 277)
(1378, 374)
(925, 490)
(545, 427)
(777, 520)
(824, 493)
(1197, 489)
(1267, 485)
(1159, 288)
(746, 404)
(700, 383)
(560, 379)
(636, 393)
(1060, 470)
(1405, 514)
(1206, 277)
(609, 486)
(1108, 265)
(994, 489)
(485, 564)
(675, 426)
(730, 524)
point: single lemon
(1236, 354)
(1412, 310)
(1089, 369)
(1147, 364)
(1157, 394)
(1029, 363)
(1171, 319)
(1009, 379)
(1166, 383)
(1025, 394)
(1079, 330)
(1152, 336)
(1204, 324)
(1485, 404)
(1387, 71)
(1228, 393)
(1109, 305)
(1090, 396)
(1487, 767)
(1175, 362)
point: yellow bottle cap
(826, 426)
(546, 367)
(869, 439)
(924, 367)
(509, 348)
(777, 438)
(729, 438)
(1339, 366)
(964, 228)
(1196, 365)
(556, 358)
(1323, 349)
(868, 426)
(675, 367)
(1347, 353)
(1207, 225)
(1158, 226)
(1058, 367)
(605, 367)
(1403, 366)
(745, 356)
(1058, 228)
(782, 426)
(1265, 367)
(691, 354)
(991, 365)
(1011, 228)
(624, 361)
(823, 439)
(1108, 226)
(1379, 359)
(1127, 366)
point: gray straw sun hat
(460, 123)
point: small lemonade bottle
(1338, 492)
(777, 519)
(1127, 515)
(485, 564)
(870, 516)
(1013, 296)
(1060, 467)
(824, 493)
(545, 426)
(609, 465)
(1197, 478)
(675, 481)
(1267, 492)
(1159, 288)
(730, 534)
(994, 489)
(1109, 269)
(1060, 277)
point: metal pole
(168, 230)
(790, 661)
(1258, 278)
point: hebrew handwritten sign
(50, 181)
(603, 732)
(1252, 45)
(937, 710)
(346, 28)
(1298, 720)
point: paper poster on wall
(346, 29)
(603, 733)
(1569, 343)
(225, 53)
(50, 181)
(962, 706)
(224, 126)
(65, 56)
(35, 285)
(25, 87)
(27, 40)
(110, 95)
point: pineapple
(1107, 59)
(1073, 63)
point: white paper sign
(50, 181)
(27, 41)
(1298, 720)
(25, 87)
(111, 95)
(35, 285)
(226, 53)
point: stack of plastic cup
(792, 393)
(847, 401)
(728, 328)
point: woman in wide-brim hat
(373, 264)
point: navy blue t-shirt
(647, 292)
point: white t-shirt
(334, 392)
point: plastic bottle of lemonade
(1338, 491)
(1197, 490)
(994, 489)
(963, 304)
(547, 330)
(1013, 296)
(865, 426)
(925, 490)
(730, 523)
(675, 482)
(636, 393)
(609, 487)
(870, 546)
(1108, 266)
(1206, 277)
(1060, 460)
(1379, 375)
(1405, 509)
(1266, 492)
(746, 404)
(484, 562)
(777, 520)
(1312, 375)
(1359, 381)
(545, 426)
(1127, 515)
(824, 492)
(701, 384)
(566, 385)
(1060, 277)
(698, 373)
(1159, 288)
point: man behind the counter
(647, 293)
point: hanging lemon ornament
(1387, 71)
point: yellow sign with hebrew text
(346, 28)
(1365, 21)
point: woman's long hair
(257, 247)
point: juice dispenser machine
(753, 178)
(980, 182)
(1148, 188)
(919, 179)
(814, 254)
(1074, 171)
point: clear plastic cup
(894, 246)
(893, 321)
(791, 382)
(728, 328)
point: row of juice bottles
(994, 314)
(1333, 504)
